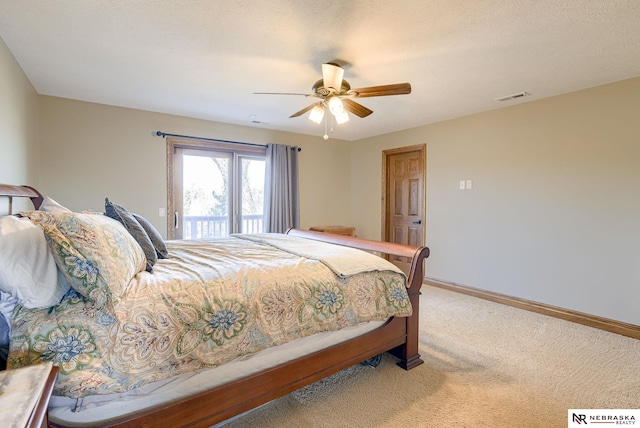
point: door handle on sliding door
(176, 223)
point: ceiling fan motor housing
(319, 88)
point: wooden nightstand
(25, 395)
(337, 230)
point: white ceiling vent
(513, 97)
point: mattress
(98, 410)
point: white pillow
(7, 304)
(51, 206)
(27, 268)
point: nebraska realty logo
(598, 417)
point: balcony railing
(196, 227)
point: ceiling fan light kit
(335, 105)
(316, 114)
(336, 95)
(342, 118)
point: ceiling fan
(335, 94)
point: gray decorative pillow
(118, 212)
(154, 235)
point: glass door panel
(251, 178)
(206, 197)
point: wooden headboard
(11, 191)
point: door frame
(422, 148)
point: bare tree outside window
(208, 204)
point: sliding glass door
(216, 192)
(251, 198)
(206, 205)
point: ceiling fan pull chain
(326, 119)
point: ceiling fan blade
(306, 109)
(332, 75)
(356, 108)
(380, 91)
(283, 93)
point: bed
(205, 390)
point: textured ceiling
(204, 59)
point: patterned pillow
(118, 212)
(96, 253)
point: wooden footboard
(407, 353)
(399, 336)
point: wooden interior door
(404, 198)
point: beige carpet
(486, 365)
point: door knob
(417, 222)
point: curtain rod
(164, 134)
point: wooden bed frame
(398, 336)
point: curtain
(281, 200)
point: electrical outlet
(469, 184)
(162, 212)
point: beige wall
(18, 127)
(552, 216)
(554, 213)
(92, 151)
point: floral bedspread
(210, 302)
